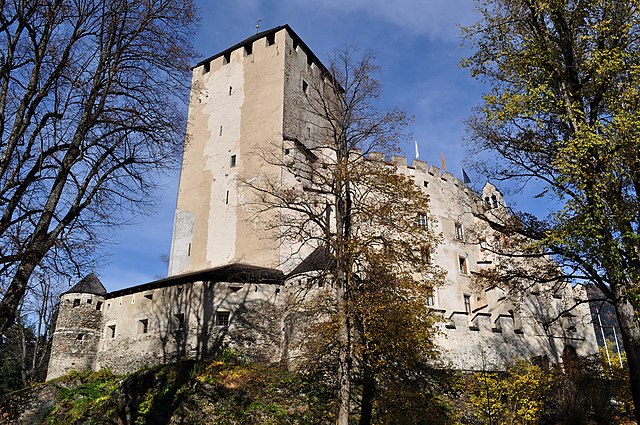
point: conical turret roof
(90, 284)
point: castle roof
(90, 284)
(263, 34)
(237, 272)
(319, 259)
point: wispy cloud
(436, 19)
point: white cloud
(437, 19)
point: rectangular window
(233, 160)
(227, 58)
(422, 220)
(425, 183)
(206, 67)
(179, 321)
(430, 300)
(76, 302)
(459, 232)
(425, 254)
(305, 87)
(79, 337)
(143, 326)
(111, 331)
(462, 264)
(222, 318)
(99, 305)
(467, 304)
(89, 301)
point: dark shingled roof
(90, 284)
(237, 272)
(319, 259)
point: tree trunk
(630, 331)
(368, 394)
(344, 369)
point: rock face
(232, 281)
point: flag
(465, 177)
(444, 166)
(417, 152)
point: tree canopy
(89, 95)
(562, 110)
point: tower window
(422, 220)
(459, 231)
(99, 305)
(425, 183)
(79, 337)
(305, 87)
(226, 201)
(89, 300)
(220, 131)
(462, 265)
(271, 39)
(230, 90)
(206, 67)
(425, 254)
(143, 326)
(233, 160)
(76, 302)
(467, 304)
(222, 318)
(179, 321)
(111, 330)
(248, 49)
(494, 201)
(227, 58)
(430, 300)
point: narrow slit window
(76, 302)
(467, 304)
(99, 305)
(309, 61)
(206, 67)
(143, 326)
(425, 183)
(220, 131)
(230, 90)
(295, 45)
(227, 58)
(305, 87)
(494, 201)
(111, 331)
(189, 250)
(233, 160)
(459, 232)
(226, 201)
(462, 265)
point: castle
(224, 270)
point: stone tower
(78, 327)
(242, 106)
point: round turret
(78, 328)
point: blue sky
(415, 41)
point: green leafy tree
(562, 110)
